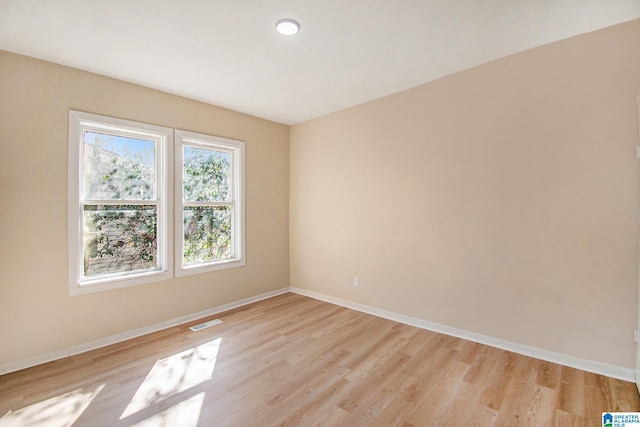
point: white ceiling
(228, 53)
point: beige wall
(502, 200)
(37, 316)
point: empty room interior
(404, 213)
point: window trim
(78, 123)
(237, 148)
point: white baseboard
(92, 345)
(618, 372)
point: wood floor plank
(433, 405)
(568, 419)
(295, 361)
(548, 374)
(496, 381)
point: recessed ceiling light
(287, 27)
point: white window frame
(236, 148)
(79, 122)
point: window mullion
(120, 202)
(207, 204)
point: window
(209, 203)
(121, 203)
(120, 215)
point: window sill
(106, 284)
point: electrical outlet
(356, 281)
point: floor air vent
(201, 326)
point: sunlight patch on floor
(173, 375)
(59, 411)
(184, 414)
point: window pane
(206, 175)
(119, 239)
(207, 234)
(118, 168)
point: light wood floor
(292, 360)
